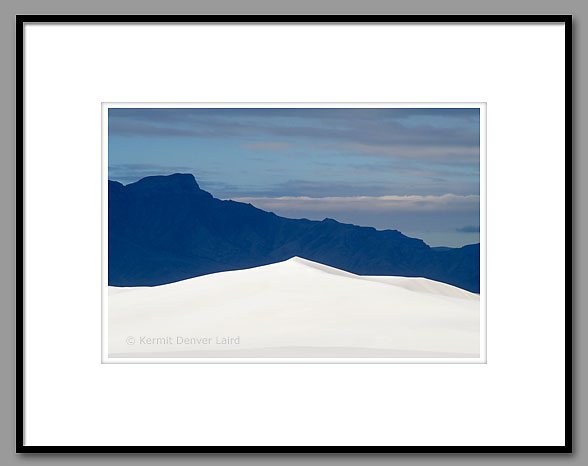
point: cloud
(272, 146)
(175, 115)
(445, 202)
(442, 153)
(469, 229)
(130, 129)
(329, 187)
(365, 131)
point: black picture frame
(22, 20)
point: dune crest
(294, 308)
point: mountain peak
(177, 179)
(178, 183)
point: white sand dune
(295, 308)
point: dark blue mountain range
(162, 229)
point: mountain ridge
(166, 228)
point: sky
(416, 170)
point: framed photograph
(248, 233)
(294, 233)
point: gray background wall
(8, 8)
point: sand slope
(295, 308)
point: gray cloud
(328, 188)
(380, 132)
(441, 153)
(271, 146)
(445, 202)
(469, 229)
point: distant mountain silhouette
(162, 229)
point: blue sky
(415, 170)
